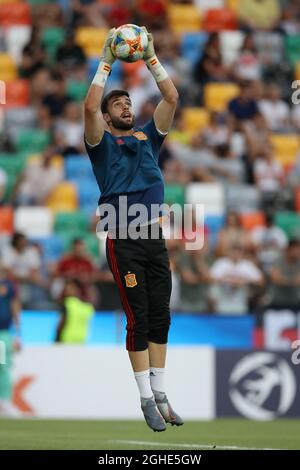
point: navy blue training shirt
(128, 165)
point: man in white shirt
(274, 109)
(232, 276)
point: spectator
(23, 263)
(269, 177)
(9, 316)
(268, 242)
(194, 279)
(275, 111)
(248, 66)
(39, 179)
(33, 55)
(244, 107)
(76, 314)
(152, 14)
(56, 100)
(259, 14)
(232, 234)
(232, 277)
(284, 290)
(69, 130)
(210, 66)
(71, 58)
(217, 132)
(78, 266)
(227, 168)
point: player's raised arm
(93, 121)
(164, 113)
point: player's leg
(127, 262)
(159, 291)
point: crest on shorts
(130, 280)
(140, 135)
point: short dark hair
(109, 96)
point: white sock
(143, 383)
(157, 376)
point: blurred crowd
(243, 268)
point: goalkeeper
(125, 163)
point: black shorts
(141, 270)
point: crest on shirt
(140, 135)
(130, 280)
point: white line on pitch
(185, 446)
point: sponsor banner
(259, 385)
(281, 329)
(97, 382)
(109, 329)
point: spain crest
(130, 280)
(139, 135)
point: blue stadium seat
(192, 45)
(214, 223)
(77, 167)
(52, 247)
(116, 73)
(89, 194)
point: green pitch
(109, 435)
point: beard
(122, 125)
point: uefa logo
(262, 386)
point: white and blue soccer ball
(129, 43)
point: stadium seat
(91, 39)
(17, 93)
(195, 119)
(192, 45)
(184, 18)
(174, 194)
(63, 198)
(204, 5)
(214, 223)
(6, 220)
(219, 19)
(231, 42)
(78, 166)
(286, 148)
(233, 4)
(33, 140)
(13, 165)
(270, 47)
(289, 222)
(52, 247)
(66, 222)
(210, 195)
(19, 13)
(242, 198)
(89, 194)
(250, 220)
(16, 37)
(217, 95)
(33, 221)
(52, 38)
(77, 90)
(15, 121)
(8, 70)
(292, 48)
(93, 245)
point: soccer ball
(129, 43)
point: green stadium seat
(77, 90)
(13, 165)
(289, 222)
(32, 140)
(52, 38)
(292, 48)
(93, 246)
(174, 194)
(75, 222)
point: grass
(38, 434)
